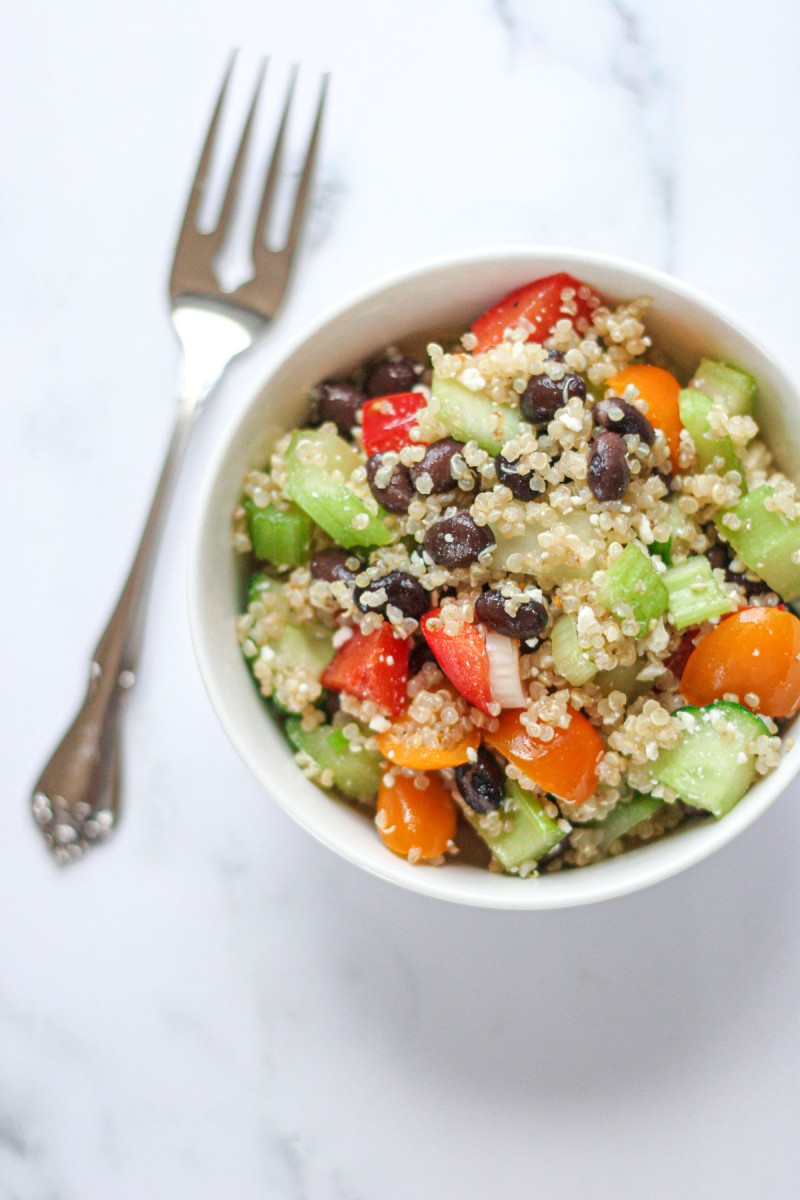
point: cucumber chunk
(472, 416)
(571, 660)
(624, 679)
(766, 542)
(709, 770)
(549, 564)
(694, 594)
(681, 530)
(260, 585)
(633, 580)
(278, 537)
(711, 452)
(307, 646)
(735, 390)
(528, 832)
(324, 496)
(624, 818)
(356, 773)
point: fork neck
(210, 337)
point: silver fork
(76, 801)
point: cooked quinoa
(489, 548)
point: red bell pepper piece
(463, 659)
(372, 666)
(388, 421)
(540, 303)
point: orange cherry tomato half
(753, 652)
(394, 746)
(566, 766)
(660, 390)
(412, 818)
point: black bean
(457, 541)
(482, 783)
(329, 702)
(402, 590)
(436, 463)
(398, 492)
(421, 653)
(621, 417)
(331, 565)
(555, 853)
(718, 556)
(521, 486)
(390, 376)
(543, 396)
(340, 403)
(529, 620)
(608, 472)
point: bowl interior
(434, 298)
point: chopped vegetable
(504, 679)
(565, 766)
(570, 658)
(416, 815)
(372, 666)
(280, 537)
(694, 594)
(695, 408)
(473, 416)
(632, 582)
(356, 772)
(734, 389)
(462, 657)
(752, 655)
(624, 818)
(328, 500)
(660, 391)
(388, 421)
(396, 745)
(525, 832)
(542, 304)
(766, 541)
(714, 764)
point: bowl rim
(692, 846)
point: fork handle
(76, 798)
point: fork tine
(198, 183)
(241, 155)
(259, 234)
(301, 196)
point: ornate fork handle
(76, 799)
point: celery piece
(571, 660)
(472, 416)
(314, 461)
(527, 833)
(714, 764)
(624, 818)
(680, 529)
(281, 538)
(694, 409)
(356, 773)
(734, 389)
(694, 594)
(633, 580)
(767, 542)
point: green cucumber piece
(356, 773)
(472, 416)
(570, 658)
(707, 770)
(623, 679)
(540, 563)
(735, 390)
(694, 594)
(260, 584)
(278, 537)
(680, 529)
(530, 834)
(624, 818)
(718, 452)
(633, 580)
(307, 646)
(766, 542)
(328, 500)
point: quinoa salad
(525, 598)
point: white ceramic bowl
(446, 294)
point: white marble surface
(213, 1005)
